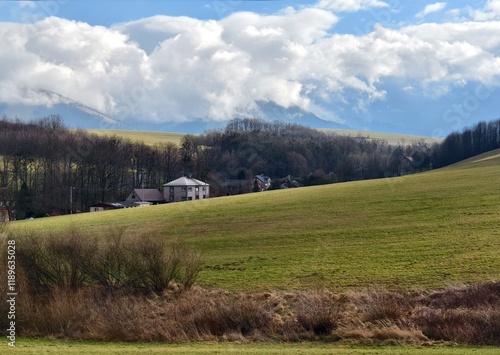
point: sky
(415, 67)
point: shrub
(142, 263)
(318, 312)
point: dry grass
(207, 315)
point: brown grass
(200, 315)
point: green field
(422, 231)
(32, 346)
(149, 138)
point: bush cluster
(117, 262)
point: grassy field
(421, 231)
(34, 346)
(393, 139)
(149, 138)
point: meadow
(418, 232)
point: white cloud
(179, 68)
(28, 4)
(489, 12)
(350, 5)
(439, 6)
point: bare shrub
(485, 294)
(191, 266)
(152, 264)
(318, 312)
(465, 326)
(139, 263)
(105, 260)
(378, 305)
(55, 261)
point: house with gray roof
(154, 196)
(185, 189)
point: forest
(43, 164)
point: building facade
(186, 189)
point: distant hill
(421, 231)
(148, 138)
(77, 115)
(390, 138)
(151, 138)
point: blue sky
(421, 67)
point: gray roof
(149, 194)
(185, 181)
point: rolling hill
(421, 231)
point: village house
(185, 189)
(155, 196)
(182, 189)
(261, 183)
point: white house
(185, 189)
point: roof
(107, 204)
(149, 194)
(121, 204)
(185, 181)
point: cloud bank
(165, 68)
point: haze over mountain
(425, 68)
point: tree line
(42, 163)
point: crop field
(422, 231)
(149, 138)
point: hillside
(149, 138)
(425, 230)
(393, 139)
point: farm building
(261, 183)
(185, 189)
(105, 206)
(154, 196)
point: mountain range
(77, 115)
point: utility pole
(71, 199)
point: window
(171, 190)
(190, 198)
(183, 198)
(171, 197)
(197, 189)
(204, 188)
(183, 189)
(197, 197)
(204, 196)
(190, 189)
